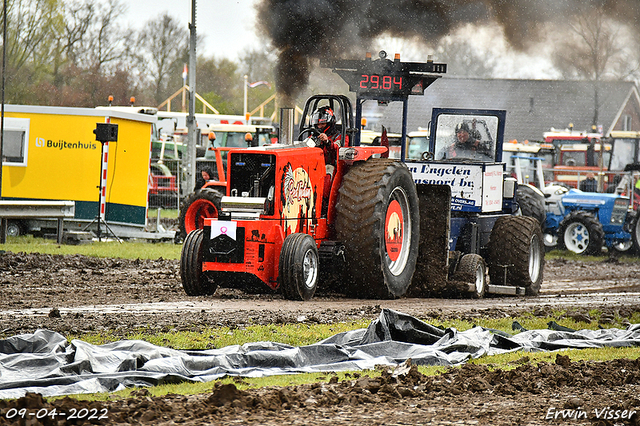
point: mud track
(77, 294)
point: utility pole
(3, 222)
(192, 130)
(246, 83)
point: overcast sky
(228, 25)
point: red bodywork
(300, 175)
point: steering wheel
(312, 131)
(426, 155)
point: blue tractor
(584, 222)
(581, 222)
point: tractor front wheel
(516, 252)
(298, 268)
(581, 233)
(377, 219)
(198, 206)
(194, 281)
(472, 269)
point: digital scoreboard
(387, 78)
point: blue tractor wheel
(581, 233)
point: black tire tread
(531, 204)
(360, 218)
(509, 244)
(194, 281)
(288, 270)
(466, 271)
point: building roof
(533, 106)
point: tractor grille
(224, 249)
(251, 174)
(619, 212)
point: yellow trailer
(51, 153)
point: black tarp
(44, 362)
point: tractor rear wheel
(581, 233)
(198, 206)
(472, 269)
(531, 204)
(377, 219)
(194, 281)
(516, 248)
(298, 268)
(635, 234)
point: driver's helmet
(323, 115)
(462, 127)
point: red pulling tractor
(281, 222)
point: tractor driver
(329, 138)
(467, 145)
(324, 120)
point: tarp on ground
(46, 363)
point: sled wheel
(198, 206)
(516, 247)
(15, 228)
(298, 268)
(531, 204)
(194, 281)
(581, 233)
(377, 219)
(472, 269)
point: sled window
(16, 137)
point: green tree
(258, 65)
(220, 83)
(30, 35)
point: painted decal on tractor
(394, 231)
(298, 200)
(221, 227)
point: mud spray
(302, 30)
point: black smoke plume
(305, 29)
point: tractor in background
(581, 222)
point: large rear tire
(298, 267)
(581, 233)
(531, 204)
(516, 247)
(194, 281)
(198, 206)
(635, 234)
(377, 219)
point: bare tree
(69, 37)
(107, 40)
(463, 59)
(592, 49)
(163, 44)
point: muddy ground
(76, 294)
